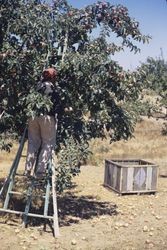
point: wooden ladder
(48, 185)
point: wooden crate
(131, 176)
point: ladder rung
(16, 193)
(24, 193)
(22, 213)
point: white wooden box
(131, 176)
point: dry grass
(148, 143)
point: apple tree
(100, 93)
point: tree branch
(65, 46)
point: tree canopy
(35, 35)
(154, 72)
(153, 75)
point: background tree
(154, 77)
(34, 35)
(153, 74)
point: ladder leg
(55, 212)
(46, 204)
(6, 202)
(47, 197)
(14, 166)
(28, 203)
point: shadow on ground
(71, 209)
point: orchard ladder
(48, 185)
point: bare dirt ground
(92, 217)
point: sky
(152, 16)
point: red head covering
(49, 74)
